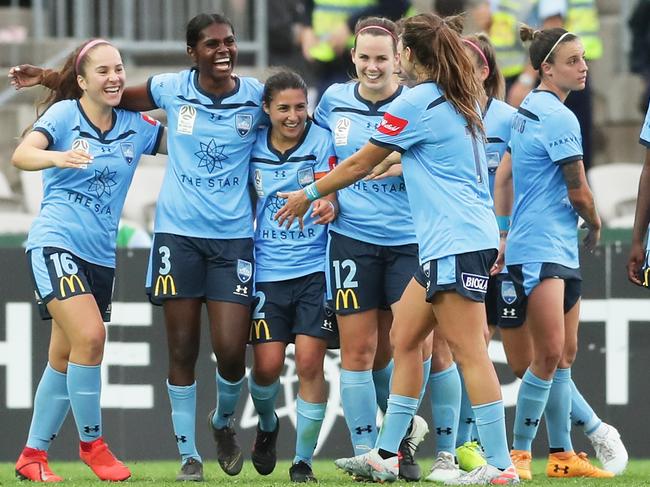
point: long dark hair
(494, 85)
(377, 26)
(199, 22)
(285, 79)
(544, 44)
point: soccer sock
(227, 397)
(183, 403)
(531, 401)
(309, 421)
(581, 412)
(399, 413)
(51, 406)
(491, 424)
(84, 385)
(359, 403)
(264, 401)
(381, 378)
(426, 370)
(558, 410)
(445, 407)
(466, 421)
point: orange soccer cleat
(569, 464)
(102, 462)
(32, 465)
(521, 460)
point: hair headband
(478, 49)
(84, 51)
(377, 27)
(555, 45)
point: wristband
(503, 222)
(311, 192)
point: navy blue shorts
(210, 269)
(467, 274)
(59, 274)
(284, 309)
(504, 303)
(365, 276)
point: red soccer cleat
(32, 465)
(102, 462)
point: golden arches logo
(646, 277)
(167, 284)
(345, 296)
(257, 327)
(70, 281)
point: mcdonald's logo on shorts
(345, 296)
(257, 326)
(72, 288)
(167, 284)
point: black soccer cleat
(301, 472)
(191, 471)
(264, 455)
(229, 453)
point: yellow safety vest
(504, 34)
(582, 20)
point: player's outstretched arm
(31, 155)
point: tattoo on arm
(573, 174)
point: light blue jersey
(282, 254)
(375, 212)
(204, 193)
(645, 131)
(497, 119)
(545, 135)
(81, 208)
(445, 170)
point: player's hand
(324, 210)
(25, 75)
(296, 206)
(384, 170)
(74, 159)
(500, 263)
(635, 263)
(592, 238)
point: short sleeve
(54, 123)
(562, 138)
(321, 112)
(400, 128)
(160, 85)
(152, 131)
(645, 130)
(327, 160)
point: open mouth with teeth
(113, 90)
(223, 63)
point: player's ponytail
(544, 44)
(483, 52)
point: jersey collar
(375, 106)
(101, 135)
(215, 99)
(285, 156)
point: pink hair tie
(480, 53)
(84, 51)
(377, 27)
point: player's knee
(266, 373)
(547, 363)
(309, 368)
(88, 344)
(182, 357)
(359, 355)
(404, 340)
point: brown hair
(494, 85)
(437, 45)
(376, 26)
(543, 45)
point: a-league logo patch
(81, 144)
(244, 270)
(305, 176)
(128, 152)
(474, 282)
(243, 123)
(186, 118)
(259, 184)
(508, 292)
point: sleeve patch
(331, 162)
(392, 125)
(148, 119)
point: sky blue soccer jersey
(545, 135)
(81, 208)
(204, 193)
(376, 212)
(497, 120)
(282, 254)
(645, 130)
(445, 170)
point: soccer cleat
(264, 455)
(32, 465)
(102, 462)
(191, 471)
(444, 468)
(470, 456)
(301, 472)
(370, 466)
(409, 470)
(569, 464)
(609, 448)
(487, 474)
(229, 454)
(521, 460)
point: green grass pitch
(150, 473)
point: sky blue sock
(381, 378)
(183, 403)
(531, 401)
(309, 421)
(51, 406)
(445, 407)
(227, 397)
(84, 386)
(426, 369)
(359, 403)
(491, 424)
(466, 422)
(264, 400)
(581, 412)
(558, 411)
(399, 414)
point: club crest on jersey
(243, 123)
(306, 176)
(81, 144)
(508, 292)
(259, 184)
(392, 125)
(474, 282)
(341, 131)
(128, 152)
(244, 270)
(186, 119)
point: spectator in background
(640, 52)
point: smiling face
(102, 76)
(568, 71)
(406, 73)
(215, 54)
(288, 114)
(375, 60)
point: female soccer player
(372, 250)
(549, 179)
(445, 170)
(88, 151)
(289, 275)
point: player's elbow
(581, 198)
